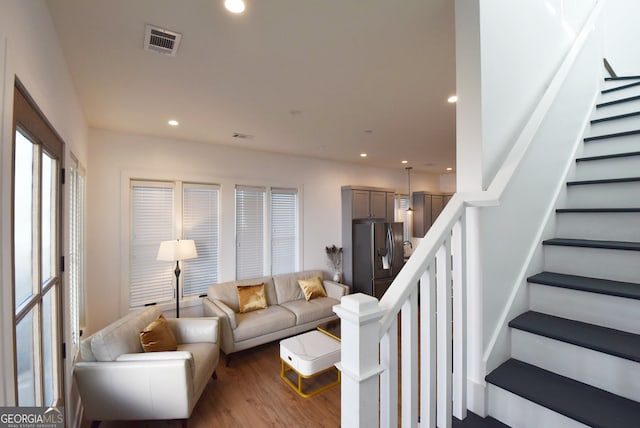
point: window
(77, 211)
(402, 215)
(250, 253)
(284, 230)
(264, 242)
(162, 211)
(37, 212)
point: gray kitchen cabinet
(426, 208)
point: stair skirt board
(619, 265)
(600, 226)
(616, 375)
(593, 308)
(621, 195)
(608, 168)
(519, 412)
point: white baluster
(460, 321)
(444, 319)
(409, 329)
(389, 377)
(428, 348)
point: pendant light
(409, 168)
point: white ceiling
(363, 75)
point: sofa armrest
(143, 389)
(227, 322)
(156, 356)
(334, 289)
(194, 330)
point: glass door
(36, 257)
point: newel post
(359, 363)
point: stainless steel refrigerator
(377, 256)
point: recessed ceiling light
(405, 161)
(449, 169)
(234, 6)
(363, 155)
(452, 99)
(173, 122)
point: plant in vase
(335, 261)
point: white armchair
(118, 381)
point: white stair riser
(614, 126)
(616, 265)
(600, 309)
(611, 195)
(608, 84)
(616, 109)
(516, 411)
(628, 166)
(599, 226)
(611, 145)
(621, 93)
(613, 374)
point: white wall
(30, 51)
(115, 156)
(622, 33)
(522, 45)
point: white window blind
(250, 243)
(402, 205)
(152, 221)
(284, 230)
(200, 222)
(77, 212)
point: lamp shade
(180, 249)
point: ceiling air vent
(159, 40)
(242, 136)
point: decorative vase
(337, 276)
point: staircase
(575, 355)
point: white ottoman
(309, 355)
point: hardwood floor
(250, 393)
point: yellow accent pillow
(312, 288)
(251, 297)
(158, 336)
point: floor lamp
(174, 251)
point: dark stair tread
(598, 210)
(611, 156)
(618, 88)
(474, 421)
(618, 101)
(608, 287)
(616, 117)
(603, 181)
(584, 403)
(612, 135)
(591, 243)
(622, 78)
(602, 339)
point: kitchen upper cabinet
(367, 203)
(426, 208)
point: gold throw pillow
(158, 336)
(312, 288)
(251, 297)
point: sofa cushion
(287, 287)
(226, 292)
(122, 336)
(312, 310)
(157, 336)
(251, 297)
(262, 321)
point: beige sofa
(288, 312)
(118, 381)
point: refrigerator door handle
(390, 247)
